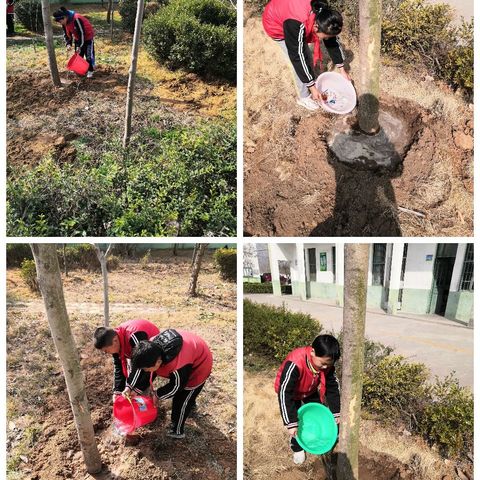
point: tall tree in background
(370, 13)
(50, 282)
(132, 73)
(103, 259)
(196, 264)
(52, 59)
(355, 305)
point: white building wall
(250, 259)
(419, 270)
(327, 276)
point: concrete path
(443, 345)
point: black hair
(328, 21)
(103, 337)
(146, 354)
(326, 346)
(60, 13)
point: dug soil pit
(385, 149)
(295, 186)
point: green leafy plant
(265, 287)
(226, 260)
(447, 419)
(128, 12)
(197, 35)
(273, 332)
(28, 272)
(17, 253)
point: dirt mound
(293, 185)
(43, 119)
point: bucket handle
(133, 409)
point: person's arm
(337, 55)
(178, 380)
(288, 410)
(66, 37)
(297, 47)
(81, 32)
(118, 376)
(138, 379)
(333, 393)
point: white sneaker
(89, 74)
(308, 103)
(299, 457)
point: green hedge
(180, 176)
(199, 36)
(128, 12)
(17, 253)
(226, 260)
(274, 331)
(265, 287)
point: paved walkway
(441, 344)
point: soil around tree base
(294, 186)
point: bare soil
(384, 454)
(41, 437)
(294, 186)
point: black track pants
(182, 404)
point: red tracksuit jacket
(78, 28)
(298, 379)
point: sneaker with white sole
(299, 457)
(309, 103)
(89, 74)
(174, 434)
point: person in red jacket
(296, 24)
(76, 28)
(308, 375)
(119, 342)
(185, 359)
(10, 18)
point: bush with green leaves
(395, 389)
(275, 331)
(182, 179)
(265, 287)
(29, 14)
(226, 260)
(128, 12)
(28, 272)
(447, 420)
(84, 256)
(199, 36)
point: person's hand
(315, 93)
(69, 47)
(292, 432)
(337, 420)
(344, 73)
(128, 392)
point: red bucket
(129, 414)
(78, 64)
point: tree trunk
(50, 282)
(52, 59)
(197, 262)
(370, 13)
(111, 20)
(174, 251)
(109, 10)
(132, 73)
(355, 301)
(65, 268)
(103, 259)
(194, 255)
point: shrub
(196, 35)
(457, 65)
(395, 389)
(29, 13)
(265, 287)
(274, 331)
(84, 257)
(128, 12)
(28, 273)
(186, 177)
(447, 420)
(226, 260)
(17, 253)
